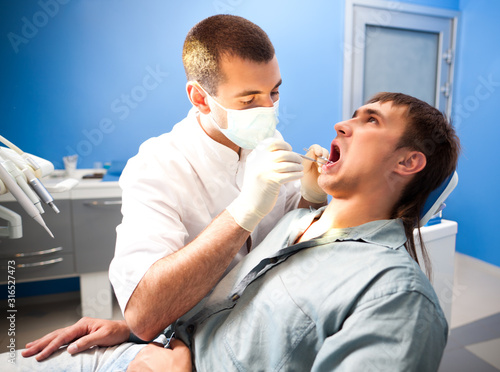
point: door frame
(384, 7)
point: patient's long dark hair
(429, 132)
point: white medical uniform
(172, 189)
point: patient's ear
(410, 163)
(197, 97)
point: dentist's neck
(208, 127)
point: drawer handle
(31, 254)
(41, 263)
(96, 203)
(38, 253)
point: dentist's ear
(411, 163)
(197, 97)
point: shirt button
(235, 297)
(190, 328)
(273, 260)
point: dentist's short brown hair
(222, 36)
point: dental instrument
(27, 167)
(19, 175)
(311, 159)
(21, 181)
(26, 157)
(326, 161)
(21, 197)
(40, 189)
(3, 188)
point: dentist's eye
(275, 94)
(247, 102)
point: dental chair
(435, 202)
(439, 240)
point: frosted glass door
(398, 60)
(397, 47)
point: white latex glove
(309, 188)
(268, 167)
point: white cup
(70, 164)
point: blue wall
(98, 77)
(475, 203)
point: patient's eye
(371, 119)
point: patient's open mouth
(334, 153)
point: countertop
(76, 187)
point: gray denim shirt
(350, 300)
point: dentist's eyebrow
(252, 92)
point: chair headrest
(435, 201)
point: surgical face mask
(247, 128)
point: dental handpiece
(21, 197)
(40, 189)
(36, 185)
(21, 181)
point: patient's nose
(343, 128)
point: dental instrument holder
(17, 170)
(14, 228)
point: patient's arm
(87, 332)
(154, 358)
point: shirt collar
(387, 233)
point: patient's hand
(156, 358)
(87, 332)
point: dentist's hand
(309, 188)
(268, 167)
(82, 335)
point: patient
(332, 289)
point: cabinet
(37, 255)
(94, 229)
(83, 245)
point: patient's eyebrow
(375, 112)
(368, 111)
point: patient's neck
(350, 212)
(355, 211)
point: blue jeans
(102, 359)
